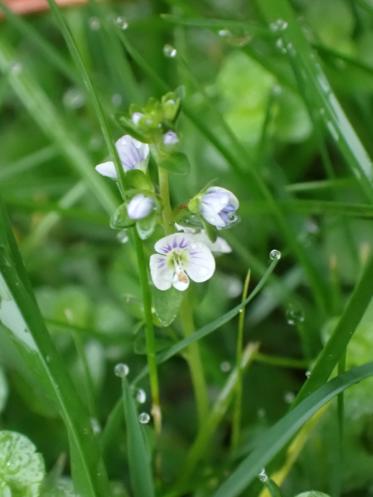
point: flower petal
(132, 153)
(171, 242)
(162, 275)
(180, 281)
(107, 169)
(201, 264)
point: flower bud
(170, 138)
(140, 206)
(218, 207)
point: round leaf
(21, 467)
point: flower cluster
(186, 254)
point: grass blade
(30, 338)
(138, 455)
(281, 433)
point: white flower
(180, 258)
(140, 206)
(218, 247)
(170, 138)
(136, 117)
(133, 154)
(218, 207)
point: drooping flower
(133, 154)
(218, 247)
(140, 206)
(180, 258)
(218, 207)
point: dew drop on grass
(289, 397)
(263, 477)
(122, 236)
(278, 25)
(121, 22)
(117, 99)
(275, 255)
(141, 396)
(307, 373)
(294, 315)
(144, 418)
(224, 33)
(73, 98)
(169, 51)
(94, 23)
(121, 370)
(16, 68)
(225, 366)
(95, 425)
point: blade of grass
(45, 115)
(342, 334)
(30, 336)
(276, 438)
(317, 84)
(138, 455)
(27, 163)
(212, 421)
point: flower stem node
(180, 258)
(218, 207)
(133, 154)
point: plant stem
(149, 333)
(194, 361)
(237, 410)
(164, 192)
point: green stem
(194, 361)
(237, 410)
(164, 191)
(149, 332)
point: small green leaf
(176, 163)
(120, 219)
(128, 126)
(145, 227)
(136, 179)
(166, 306)
(21, 467)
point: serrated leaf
(166, 306)
(21, 466)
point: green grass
(276, 106)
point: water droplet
(290, 49)
(117, 99)
(307, 373)
(122, 236)
(95, 425)
(275, 255)
(169, 51)
(144, 418)
(121, 370)
(225, 366)
(121, 22)
(141, 396)
(73, 98)
(280, 45)
(278, 25)
(263, 477)
(16, 68)
(289, 397)
(224, 33)
(294, 315)
(94, 23)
